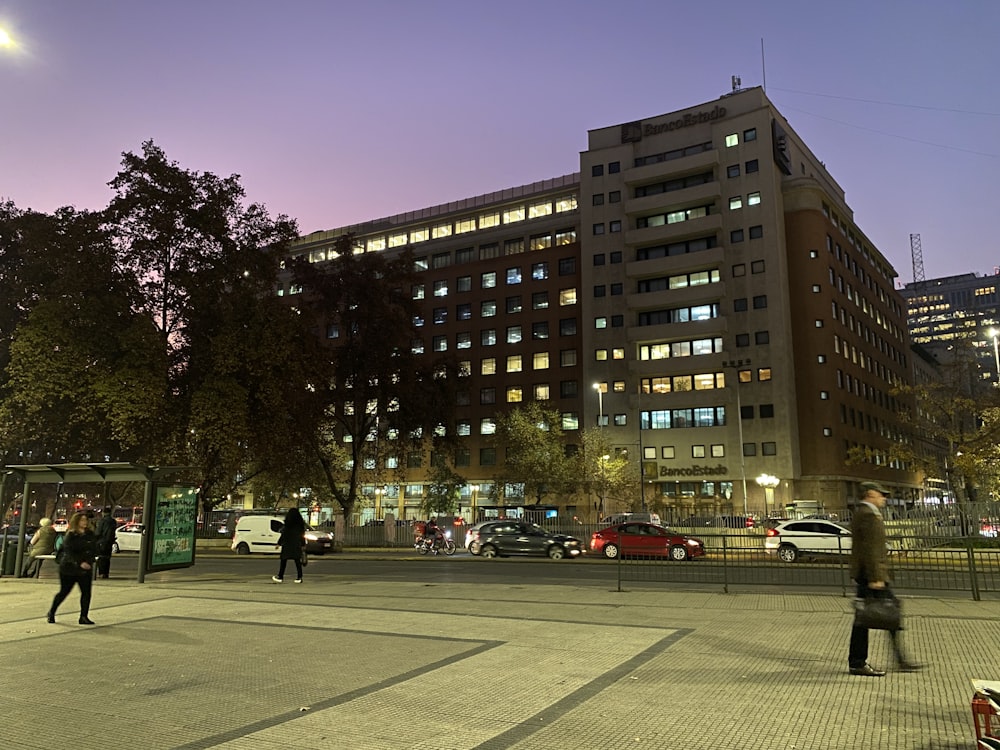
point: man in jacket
(107, 527)
(870, 570)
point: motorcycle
(433, 545)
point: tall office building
(699, 290)
(963, 307)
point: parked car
(645, 540)
(518, 538)
(261, 533)
(791, 539)
(128, 538)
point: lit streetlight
(599, 387)
(768, 482)
(475, 492)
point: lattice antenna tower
(917, 257)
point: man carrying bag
(877, 605)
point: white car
(811, 536)
(128, 538)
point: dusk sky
(335, 113)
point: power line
(893, 135)
(888, 104)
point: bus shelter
(169, 509)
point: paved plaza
(193, 660)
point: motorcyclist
(432, 533)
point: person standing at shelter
(106, 529)
(870, 570)
(292, 541)
(76, 560)
(42, 543)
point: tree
(536, 451)
(372, 395)
(207, 267)
(609, 475)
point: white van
(617, 518)
(261, 533)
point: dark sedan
(645, 540)
(519, 538)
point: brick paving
(225, 661)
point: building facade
(699, 290)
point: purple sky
(336, 112)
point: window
(751, 166)
(570, 420)
(767, 411)
(597, 199)
(616, 256)
(667, 451)
(615, 196)
(568, 389)
(513, 247)
(487, 426)
(567, 266)
(567, 358)
(769, 449)
(463, 312)
(489, 251)
(757, 266)
(541, 391)
(515, 394)
(513, 304)
(463, 428)
(333, 331)
(488, 366)
(600, 290)
(489, 220)
(416, 346)
(763, 374)
(614, 226)
(487, 308)
(735, 202)
(617, 321)
(617, 353)
(620, 420)
(617, 289)
(513, 214)
(540, 330)
(600, 322)
(488, 280)
(740, 269)
(614, 167)
(742, 339)
(440, 315)
(733, 170)
(487, 395)
(697, 451)
(761, 337)
(487, 456)
(539, 271)
(463, 340)
(463, 284)
(750, 135)
(567, 327)
(598, 229)
(539, 241)
(733, 139)
(540, 361)
(567, 297)
(539, 300)
(514, 363)
(740, 304)
(488, 337)
(760, 302)
(718, 451)
(736, 236)
(749, 449)
(417, 291)
(756, 232)
(753, 199)
(439, 343)
(513, 334)
(599, 259)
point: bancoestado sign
(634, 131)
(694, 471)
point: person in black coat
(106, 529)
(76, 560)
(292, 541)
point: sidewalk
(191, 660)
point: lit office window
(538, 210)
(515, 394)
(488, 366)
(465, 225)
(514, 363)
(397, 240)
(489, 220)
(541, 391)
(732, 139)
(567, 297)
(513, 214)
(375, 244)
(540, 361)
(753, 199)
(420, 235)
(441, 230)
(566, 203)
(487, 426)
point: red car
(645, 540)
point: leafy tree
(536, 451)
(443, 492)
(371, 397)
(609, 475)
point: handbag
(878, 613)
(304, 558)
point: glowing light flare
(5, 39)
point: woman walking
(76, 560)
(292, 541)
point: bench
(41, 559)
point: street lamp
(768, 482)
(736, 364)
(475, 490)
(600, 404)
(604, 484)
(996, 352)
